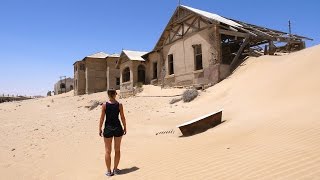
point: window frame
(126, 77)
(82, 67)
(197, 53)
(170, 64)
(155, 70)
(118, 81)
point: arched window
(126, 74)
(141, 74)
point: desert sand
(271, 129)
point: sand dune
(271, 129)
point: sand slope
(271, 129)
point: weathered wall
(184, 62)
(79, 79)
(112, 73)
(96, 80)
(153, 57)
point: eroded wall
(184, 60)
(96, 80)
(112, 73)
(79, 78)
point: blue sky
(41, 39)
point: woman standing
(112, 130)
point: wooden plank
(235, 59)
(233, 33)
(201, 124)
(191, 25)
(175, 33)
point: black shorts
(110, 132)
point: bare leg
(117, 144)
(108, 146)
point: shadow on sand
(128, 170)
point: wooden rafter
(191, 25)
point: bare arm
(123, 119)
(103, 113)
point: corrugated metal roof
(134, 55)
(98, 55)
(213, 16)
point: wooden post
(272, 48)
(235, 59)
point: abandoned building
(96, 73)
(63, 86)
(199, 48)
(133, 70)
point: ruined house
(132, 70)
(96, 73)
(63, 86)
(200, 48)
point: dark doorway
(155, 70)
(141, 74)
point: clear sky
(41, 39)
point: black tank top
(112, 115)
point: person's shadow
(128, 170)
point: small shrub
(189, 95)
(175, 100)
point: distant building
(63, 85)
(96, 73)
(133, 70)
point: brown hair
(112, 93)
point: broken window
(117, 81)
(82, 67)
(197, 57)
(155, 70)
(170, 64)
(75, 68)
(62, 86)
(126, 75)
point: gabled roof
(134, 55)
(101, 55)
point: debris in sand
(48, 105)
(189, 95)
(13, 149)
(175, 100)
(93, 104)
(165, 132)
